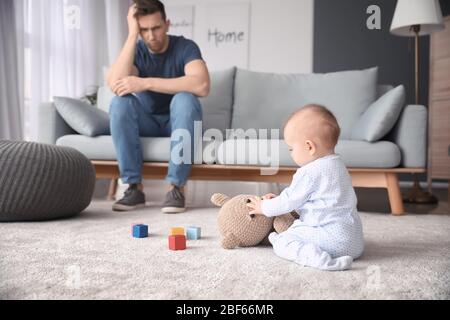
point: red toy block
(177, 242)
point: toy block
(193, 233)
(177, 231)
(140, 231)
(177, 242)
(134, 224)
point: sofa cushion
(217, 106)
(380, 117)
(82, 117)
(362, 154)
(356, 154)
(104, 98)
(265, 100)
(102, 148)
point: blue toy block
(193, 233)
(140, 231)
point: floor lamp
(415, 18)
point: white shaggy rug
(93, 256)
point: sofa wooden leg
(112, 189)
(395, 196)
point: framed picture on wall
(181, 20)
(226, 36)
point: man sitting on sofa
(157, 81)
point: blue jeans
(130, 120)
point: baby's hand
(269, 196)
(254, 204)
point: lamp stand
(416, 194)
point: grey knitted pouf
(43, 182)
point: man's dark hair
(146, 7)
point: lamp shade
(426, 13)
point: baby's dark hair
(329, 127)
(146, 7)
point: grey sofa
(251, 101)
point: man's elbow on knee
(110, 83)
(204, 90)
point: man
(157, 80)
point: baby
(328, 235)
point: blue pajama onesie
(328, 235)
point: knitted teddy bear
(240, 229)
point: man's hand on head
(129, 85)
(133, 25)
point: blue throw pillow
(82, 117)
(380, 117)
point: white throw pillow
(82, 117)
(380, 117)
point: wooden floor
(374, 200)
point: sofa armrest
(51, 125)
(410, 135)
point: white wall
(281, 33)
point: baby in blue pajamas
(328, 235)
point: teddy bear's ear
(230, 241)
(219, 199)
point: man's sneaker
(132, 199)
(175, 201)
